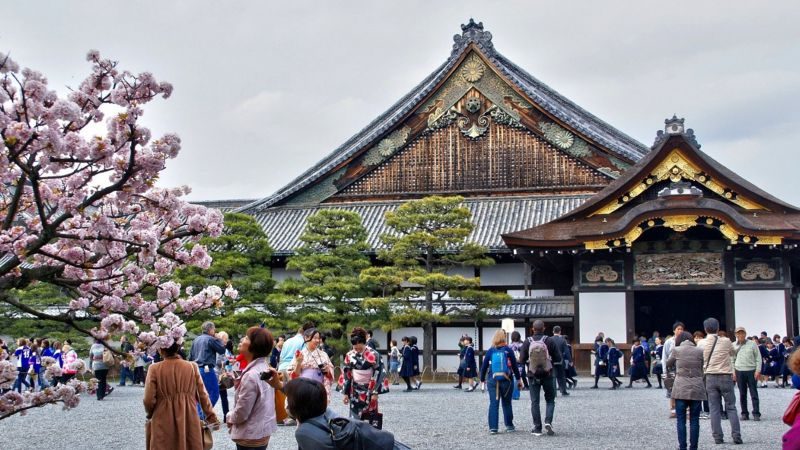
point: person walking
(172, 392)
(363, 375)
(689, 390)
(540, 354)
(677, 328)
(125, 373)
(417, 377)
(500, 365)
(100, 368)
(275, 357)
(747, 365)
(252, 420)
(569, 365)
(70, 362)
(205, 349)
(467, 369)
(290, 348)
(657, 356)
(638, 364)
(23, 356)
(718, 367)
(559, 367)
(394, 363)
(614, 355)
(406, 363)
(600, 359)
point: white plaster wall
(489, 330)
(503, 275)
(447, 363)
(602, 311)
(447, 337)
(759, 311)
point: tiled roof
(223, 205)
(562, 306)
(472, 34)
(491, 216)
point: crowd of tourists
(288, 380)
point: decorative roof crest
(674, 127)
(473, 32)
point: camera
(266, 376)
(321, 367)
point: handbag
(225, 380)
(208, 438)
(108, 357)
(372, 417)
(790, 415)
(669, 381)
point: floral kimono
(363, 374)
(309, 368)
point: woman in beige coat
(172, 390)
(688, 390)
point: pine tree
(429, 239)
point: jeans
(548, 385)
(21, 379)
(504, 389)
(210, 381)
(42, 382)
(223, 398)
(124, 375)
(694, 422)
(102, 382)
(719, 388)
(746, 379)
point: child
(658, 353)
(467, 368)
(614, 355)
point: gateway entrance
(659, 310)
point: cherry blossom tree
(80, 209)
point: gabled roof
(741, 210)
(472, 38)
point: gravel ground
(437, 417)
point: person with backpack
(501, 366)
(515, 345)
(541, 353)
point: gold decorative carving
(678, 269)
(756, 270)
(681, 223)
(387, 146)
(602, 272)
(677, 167)
(472, 69)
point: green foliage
(241, 257)
(428, 241)
(329, 261)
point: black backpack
(349, 434)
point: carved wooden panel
(504, 159)
(764, 270)
(678, 269)
(602, 273)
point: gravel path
(437, 417)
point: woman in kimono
(658, 354)
(312, 362)
(638, 364)
(467, 367)
(406, 363)
(363, 375)
(600, 360)
(614, 355)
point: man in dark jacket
(560, 370)
(542, 382)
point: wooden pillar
(630, 316)
(730, 310)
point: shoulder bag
(710, 355)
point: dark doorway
(659, 310)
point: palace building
(589, 228)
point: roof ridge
(472, 34)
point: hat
(738, 329)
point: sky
(264, 90)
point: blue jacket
(23, 355)
(407, 368)
(205, 350)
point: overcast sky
(264, 90)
